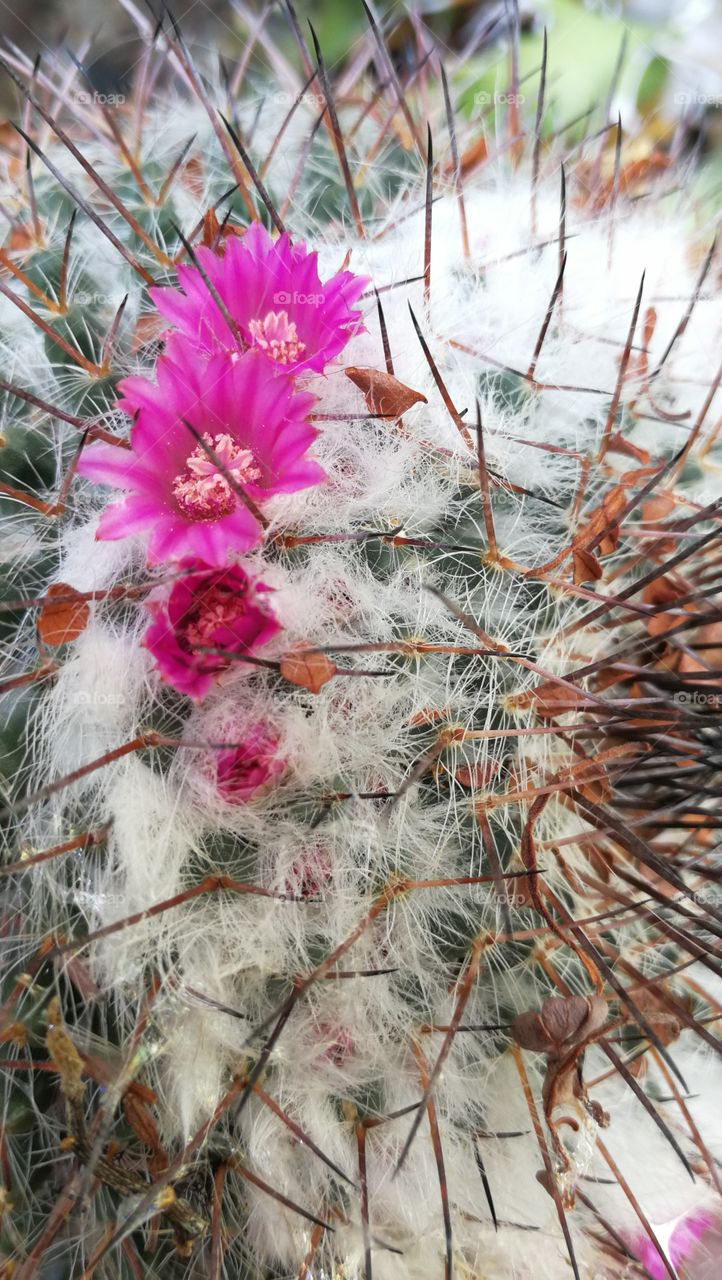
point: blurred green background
(672, 62)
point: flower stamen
(202, 491)
(219, 607)
(278, 337)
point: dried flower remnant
(559, 1029)
(384, 394)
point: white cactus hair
(317, 990)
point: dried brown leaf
(586, 567)
(64, 616)
(308, 669)
(383, 393)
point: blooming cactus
(266, 294)
(365, 911)
(210, 441)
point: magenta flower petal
(276, 299)
(122, 519)
(174, 539)
(105, 462)
(300, 476)
(219, 609)
(687, 1232)
(137, 393)
(206, 432)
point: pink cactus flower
(688, 1231)
(273, 300)
(207, 433)
(219, 609)
(247, 766)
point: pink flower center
(278, 337)
(218, 608)
(202, 490)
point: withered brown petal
(598, 1014)
(308, 669)
(586, 567)
(64, 616)
(477, 776)
(384, 394)
(148, 329)
(564, 1017)
(530, 1033)
(553, 699)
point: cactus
(360, 755)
